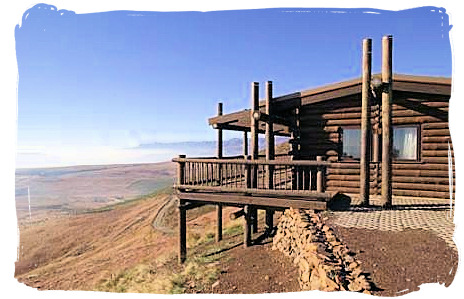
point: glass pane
(405, 143)
(351, 143)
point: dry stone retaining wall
(324, 262)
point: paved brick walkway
(428, 214)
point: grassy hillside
(120, 249)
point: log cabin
(382, 135)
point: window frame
(341, 132)
(418, 142)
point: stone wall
(324, 262)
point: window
(351, 143)
(405, 145)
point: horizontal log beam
(421, 180)
(414, 120)
(422, 88)
(436, 132)
(237, 214)
(421, 193)
(437, 125)
(436, 146)
(350, 184)
(421, 173)
(443, 160)
(286, 202)
(308, 194)
(435, 153)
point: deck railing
(251, 176)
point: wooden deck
(264, 183)
(249, 184)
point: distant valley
(79, 188)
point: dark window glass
(352, 143)
(405, 143)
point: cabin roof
(240, 120)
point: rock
(324, 262)
(216, 284)
(266, 277)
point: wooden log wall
(321, 127)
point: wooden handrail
(253, 162)
(213, 157)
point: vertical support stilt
(270, 151)
(365, 122)
(387, 144)
(219, 222)
(246, 227)
(269, 220)
(182, 232)
(182, 254)
(254, 219)
(219, 155)
(245, 144)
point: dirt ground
(399, 262)
(257, 269)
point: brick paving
(434, 215)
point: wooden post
(219, 145)
(386, 198)
(270, 151)
(182, 232)
(295, 139)
(254, 219)
(365, 122)
(246, 227)
(320, 176)
(181, 171)
(219, 222)
(245, 144)
(254, 129)
(247, 173)
(255, 149)
(219, 155)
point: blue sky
(94, 85)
